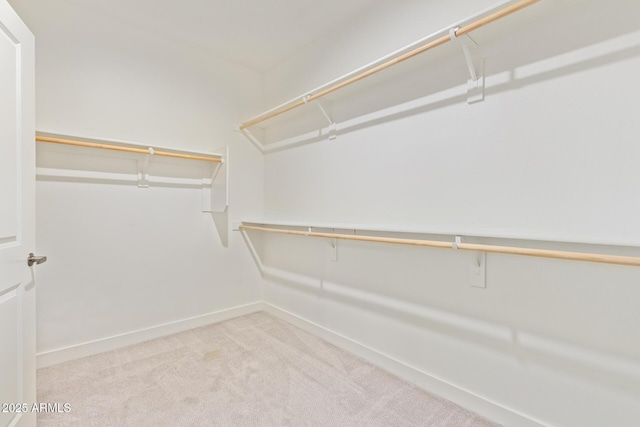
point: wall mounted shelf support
(475, 64)
(143, 170)
(253, 139)
(215, 186)
(325, 107)
(213, 180)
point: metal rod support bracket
(215, 187)
(456, 242)
(325, 108)
(143, 170)
(475, 64)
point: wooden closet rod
(544, 253)
(414, 242)
(430, 45)
(127, 149)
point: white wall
(550, 154)
(123, 258)
(553, 341)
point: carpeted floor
(254, 370)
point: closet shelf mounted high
(209, 173)
(451, 32)
(139, 150)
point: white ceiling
(255, 33)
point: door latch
(35, 259)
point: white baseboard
(53, 357)
(467, 399)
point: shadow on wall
(437, 79)
(612, 371)
(221, 221)
(609, 370)
(513, 83)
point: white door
(17, 221)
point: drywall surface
(123, 258)
(555, 135)
(551, 154)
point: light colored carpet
(254, 370)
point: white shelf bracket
(215, 186)
(253, 139)
(325, 108)
(143, 170)
(456, 242)
(475, 64)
